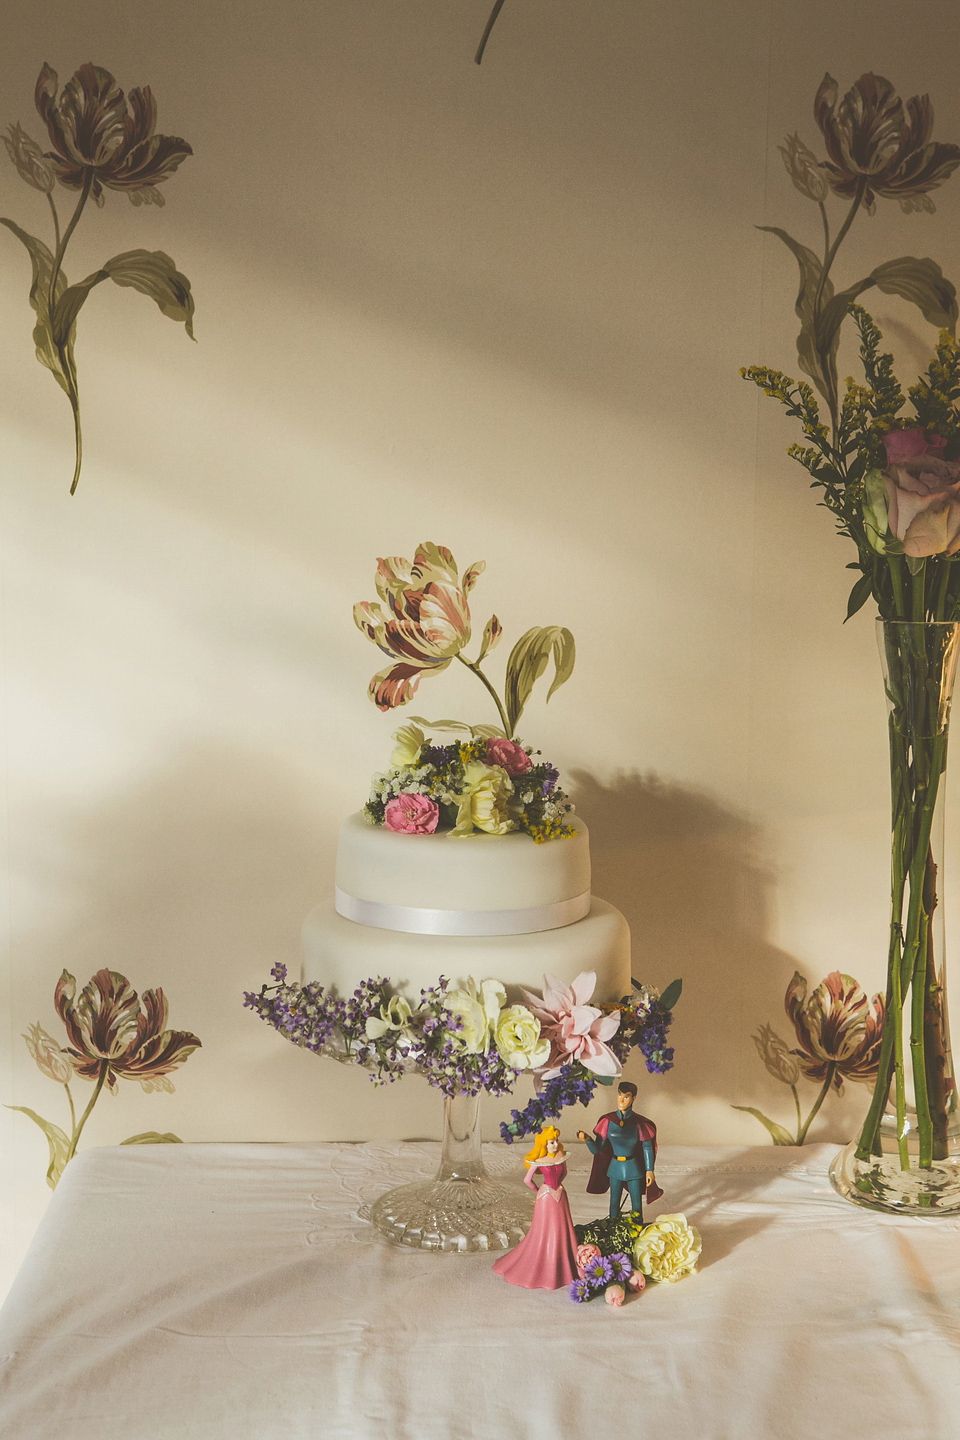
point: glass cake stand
(462, 1208)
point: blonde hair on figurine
(539, 1151)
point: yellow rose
(518, 1040)
(406, 752)
(668, 1249)
(482, 803)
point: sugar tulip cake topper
(99, 139)
(491, 782)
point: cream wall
(503, 309)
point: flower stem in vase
(909, 1161)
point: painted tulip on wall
(112, 1034)
(100, 139)
(838, 1032)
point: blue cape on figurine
(599, 1182)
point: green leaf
(859, 596)
(923, 283)
(671, 995)
(915, 563)
(56, 1139)
(47, 353)
(68, 306)
(780, 1136)
(821, 369)
(602, 1079)
(477, 732)
(153, 273)
(152, 1137)
(528, 660)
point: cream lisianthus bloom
(517, 1036)
(482, 803)
(395, 1015)
(668, 1249)
(409, 742)
(478, 1007)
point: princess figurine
(546, 1258)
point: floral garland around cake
(489, 782)
(466, 1039)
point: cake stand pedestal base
(462, 1209)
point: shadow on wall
(688, 874)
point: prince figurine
(624, 1151)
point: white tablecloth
(220, 1291)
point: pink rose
(614, 1295)
(411, 815)
(637, 1282)
(910, 444)
(508, 755)
(586, 1253)
(923, 504)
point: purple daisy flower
(598, 1272)
(580, 1291)
(621, 1265)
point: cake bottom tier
(340, 953)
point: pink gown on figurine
(546, 1258)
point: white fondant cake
(414, 907)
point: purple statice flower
(598, 1272)
(621, 1266)
(580, 1291)
(571, 1085)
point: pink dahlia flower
(576, 1030)
(411, 815)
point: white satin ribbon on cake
(416, 920)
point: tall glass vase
(907, 1157)
(462, 1208)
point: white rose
(482, 803)
(518, 1039)
(479, 1009)
(406, 752)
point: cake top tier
(381, 872)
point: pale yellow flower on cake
(409, 742)
(668, 1249)
(482, 803)
(517, 1036)
(395, 1015)
(479, 1008)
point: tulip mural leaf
(100, 140)
(112, 1033)
(921, 282)
(422, 622)
(529, 659)
(42, 260)
(838, 1030)
(57, 1139)
(778, 1134)
(152, 1137)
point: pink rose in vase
(923, 503)
(411, 815)
(910, 444)
(508, 755)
